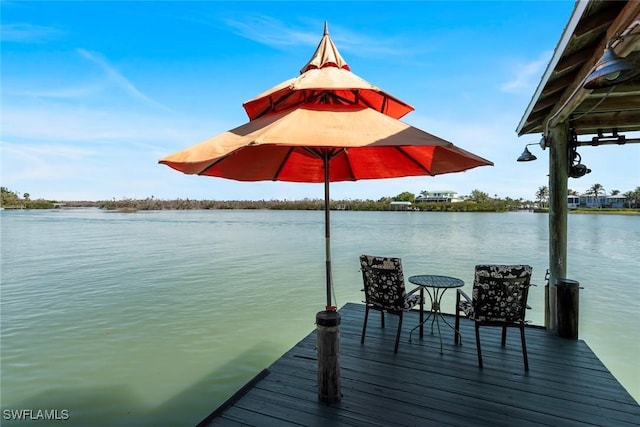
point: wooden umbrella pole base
(328, 344)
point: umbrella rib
(211, 165)
(351, 174)
(319, 152)
(417, 163)
(359, 99)
(281, 166)
(273, 104)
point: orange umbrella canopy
(325, 119)
(289, 146)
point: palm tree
(596, 190)
(633, 197)
(542, 195)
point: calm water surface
(158, 317)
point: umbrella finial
(326, 54)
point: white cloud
(28, 33)
(114, 76)
(28, 162)
(272, 32)
(526, 75)
(70, 93)
(57, 122)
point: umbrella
(325, 125)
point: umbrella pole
(327, 230)
(328, 321)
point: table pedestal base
(435, 314)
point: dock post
(568, 307)
(328, 345)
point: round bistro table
(435, 286)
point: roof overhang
(560, 96)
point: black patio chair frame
(385, 291)
(500, 295)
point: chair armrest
(464, 295)
(413, 291)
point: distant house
(617, 201)
(573, 202)
(438, 196)
(591, 201)
(401, 206)
(602, 201)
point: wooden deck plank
(566, 384)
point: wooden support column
(558, 210)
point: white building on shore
(602, 201)
(438, 196)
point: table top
(435, 281)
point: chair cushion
(411, 301)
(383, 283)
(467, 307)
(500, 292)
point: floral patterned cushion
(499, 293)
(384, 284)
(467, 308)
(411, 301)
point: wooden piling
(568, 307)
(328, 345)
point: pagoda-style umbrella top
(325, 71)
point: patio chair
(499, 299)
(384, 290)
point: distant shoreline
(133, 206)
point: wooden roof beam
(574, 60)
(596, 22)
(592, 122)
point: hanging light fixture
(611, 69)
(527, 156)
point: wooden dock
(566, 385)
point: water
(158, 317)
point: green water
(158, 317)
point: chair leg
(478, 345)
(456, 334)
(364, 326)
(504, 336)
(382, 319)
(524, 348)
(395, 350)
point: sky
(94, 93)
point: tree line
(477, 201)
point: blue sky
(94, 94)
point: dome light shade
(526, 156)
(611, 70)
